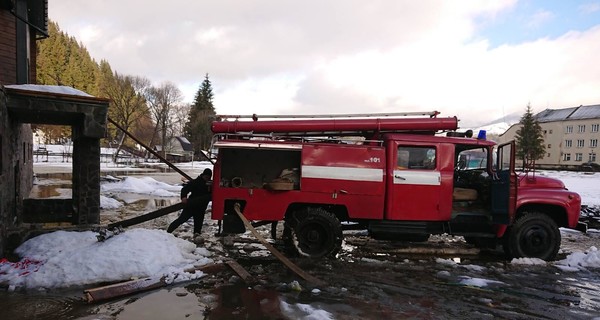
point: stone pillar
(86, 178)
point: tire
(534, 235)
(313, 233)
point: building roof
(185, 144)
(574, 113)
(586, 112)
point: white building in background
(177, 149)
(571, 136)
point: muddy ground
(443, 278)
(369, 280)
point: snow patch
(64, 259)
(304, 312)
(478, 282)
(528, 261)
(49, 89)
(580, 260)
(447, 262)
(472, 267)
(145, 185)
(109, 203)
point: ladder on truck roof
(255, 117)
(335, 124)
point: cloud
(472, 81)
(258, 37)
(540, 18)
(338, 56)
(589, 8)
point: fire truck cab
(399, 179)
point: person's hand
(184, 200)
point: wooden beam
(276, 253)
(129, 287)
(123, 288)
(148, 216)
(237, 268)
(167, 162)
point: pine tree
(202, 112)
(529, 139)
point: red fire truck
(395, 176)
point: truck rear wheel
(534, 235)
(313, 233)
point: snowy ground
(67, 259)
(75, 259)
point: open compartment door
(504, 184)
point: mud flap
(582, 226)
(232, 223)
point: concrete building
(570, 135)
(22, 23)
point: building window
(549, 146)
(595, 127)
(581, 128)
(593, 143)
(569, 129)
(568, 143)
(548, 155)
(580, 143)
(550, 131)
(579, 157)
(567, 157)
(592, 157)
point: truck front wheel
(313, 233)
(534, 235)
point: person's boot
(198, 239)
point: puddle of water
(50, 191)
(194, 302)
(245, 303)
(174, 303)
(17, 305)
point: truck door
(504, 184)
(415, 185)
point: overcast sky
(479, 60)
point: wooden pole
(134, 286)
(148, 216)
(276, 253)
(167, 162)
(124, 288)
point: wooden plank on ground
(276, 252)
(148, 216)
(207, 268)
(123, 288)
(237, 268)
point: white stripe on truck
(427, 178)
(342, 173)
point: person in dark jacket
(195, 205)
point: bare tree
(163, 101)
(180, 116)
(128, 102)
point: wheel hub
(535, 240)
(313, 235)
